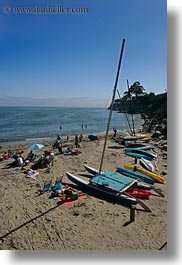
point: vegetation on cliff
(153, 108)
(136, 101)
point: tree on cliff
(135, 90)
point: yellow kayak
(154, 176)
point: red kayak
(134, 144)
(138, 193)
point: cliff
(153, 109)
(149, 104)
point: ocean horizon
(40, 123)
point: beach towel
(69, 201)
(31, 174)
(18, 171)
(6, 173)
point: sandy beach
(31, 222)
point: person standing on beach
(115, 132)
(76, 141)
(80, 138)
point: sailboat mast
(112, 102)
(131, 108)
(125, 112)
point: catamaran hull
(91, 170)
(116, 197)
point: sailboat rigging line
(131, 108)
(112, 103)
(125, 112)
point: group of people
(66, 193)
(17, 156)
(22, 161)
(45, 160)
(36, 161)
(78, 140)
(77, 143)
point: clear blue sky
(71, 59)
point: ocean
(40, 123)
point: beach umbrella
(36, 146)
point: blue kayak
(136, 175)
(141, 151)
(137, 155)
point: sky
(71, 59)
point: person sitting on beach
(51, 157)
(48, 165)
(56, 193)
(58, 140)
(70, 194)
(59, 147)
(20, 160)
(56, 190)
(40, 163)
(19, 150)
(5, 156)
(30, 156)
(75, 151)
(11, 153)
(58, 137)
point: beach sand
(31, 222)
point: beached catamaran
(109, 184)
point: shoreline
(31, 222)
(46, 139)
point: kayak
(141, 151)
(136, 155)
(136, 175)
(133, 144)
(139, 193)
(146, 164)
(146, 147)
(154, 176)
